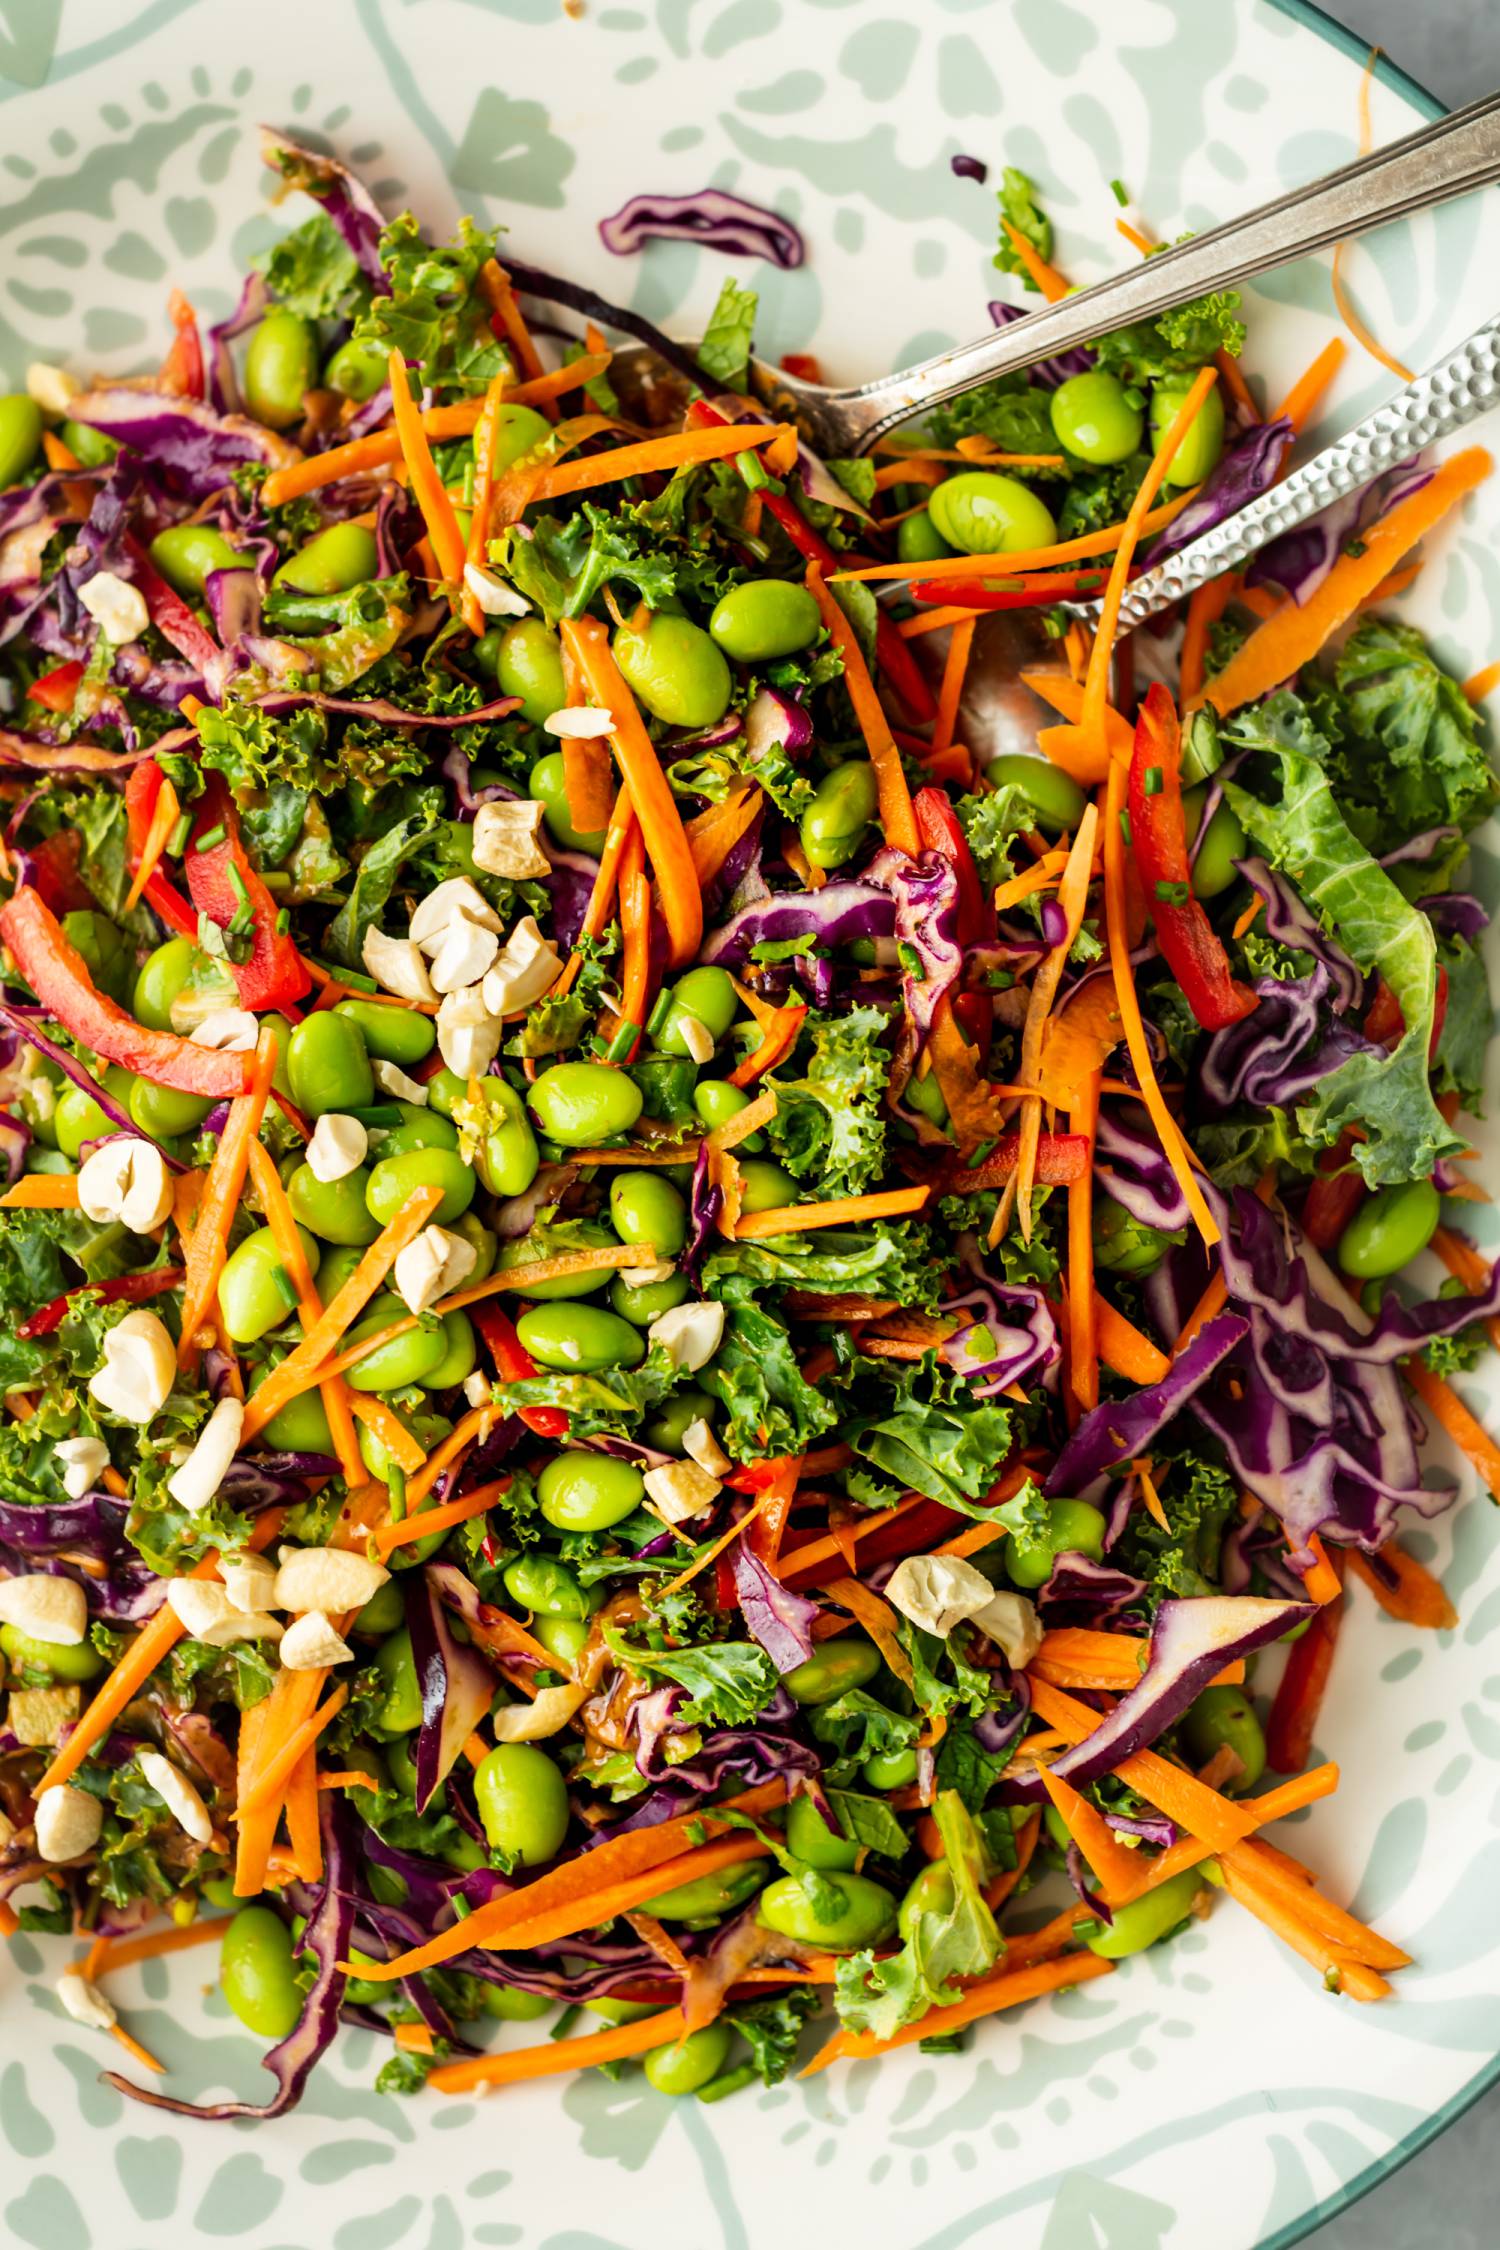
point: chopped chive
(1172, 894)
(377, 1116)
(356, 979)
(461, 1907)
(237, 884)
(283, 920)
(1153, 781)
(1125, 823)
(730, 2083)
(284, 1286)
(182, 828)
(622, 1042)
(659, 1013)
(396, 1486)
(598, 1045)
(1117, 190)
(565, 2022)
(210, 837)
(755, 548)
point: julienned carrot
(476, 1424)
(683, 449)
(635, 942)
(818, 1552)
(1111, 1863)
(1213, 1300)
(1483, 683)
(110, 1954)
(879, 1621)
(1296, 1884)
(1322, 1583)
(388, 1426)
(486, 437)
(586, 642)
(839, 1211)
(596, 914)
(1304, 395)
(898, 822)
(569, 1893)
(1360, 1982)
(505, 316)
(1046, 277)
(285, 1380)
(1072, 897)
(427, 486)
(1124, 1349)
(263, 1729)
(779, 1037)
(1295, 634)
(208, 1243)
(1181, 1796)
(309, 1305)
(1006, 1989)
(1272, 1805)
(1449, 1410)
(519, 2064)
(303, 1827)
(955, 665)
(423, 1522)
(272, 1774)
(1206, 606)
(1088, 543)
(42, 1191)
(1416, 1597)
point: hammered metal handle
(1460, 387)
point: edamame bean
(1224, 842)
(890, 1769)
(528, 663)
(185, 553)
(665, 1432)
(706, 995)
(1076, 1528)
(395, 1178)
(1053, 795)
(1204, 439)
(302, 1424)
(399, 1035)
(763, 619)
(695, 2060)
(509, 2004)
(579, 1104)
(641, 1306)
(919, 540)
(90, 447)
(334, 1210)
(281, 365)
(257, 1972)
(644, 1208)
(419, 1128)
(930, 1893)
(527, 1251)
(809, 1837)
(1126, 1245)
(522, 1802)
(675, 669)
(382, 1613)
(981, 512)
(562, 1637)
(620, 2011)
(546, 783)
(356, 370)
(481, 1241)
(844, 803)
(868, 1913)
(255, 1291)
(716, 1101)
(344, 555)
(78, 1660)
(460, 1353)
(1093, 417)
(161, 977)
(540, 1582)
(444, 1089)
(1145, 1921)
(520, 430)
(78, 1116)
(219, 1890)
(1224, 1718)
(507, 1158)
(407, 1358)
(926, 1096)
(400, 1707)
(20, 435)
(708, 1896)
(589, 1491)
(1389, 1229)
(328, 1064)
(832, 1670)
(765, 1186)
(164, 1113)
(581, 1337)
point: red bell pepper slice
(141, 792)
(56, 690)
(514, 1364)
(1027, 590)
(182, 369)
(131, 1288)
(1061, 1160)
(54, 869)
(940, 831)
(169, 613)
(1336, 1193)
(804, 365)
(61, 981)
(275, 972)
(1158, 839)
(1385, 1022)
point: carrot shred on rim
(1481, 684)
(898, 822)
(517, 2065)
(1306, 393)
(1102, 542)
(1006, 1988)
(1416, 1598)
(427, 486)
(1051, 283)
(955, 665)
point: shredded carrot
(898, 822)
(499, 294)
(486, 439)
(42, 1191)
(1322, 1583)
(1248, 1889)
(517, 2065)
(336, 1403)
(1046, 277)
(879, 1621)
(1042, 876)
(780, 1037)
(59, 456)
(274, 1774)
(1416, 1598)
(476, 1424)
(208, 1243)
(1151, 1496)
(839, 1211)
(346, 1777)
(1181, 1796)
(1450, 1412)
(1289, 1879)
(602, 897)
(1306, 393)
(1296, 633)
(1479, 685)
(817, 1552)
(109, 1954)
(164, 818)
(683, 449)
(635, 937)
(1072, 897)
(1213, 1300)
(1089, 543)
(932, 621)
(771, 1499)
(1206, 605)
(1113, 1865)
(713, 833)
(1005, 1989)
(423, 1523)
(389, 1428)
(304, 1833)
(427, 486)
(955, 665)
(413, 2038)
(1124, 1349)
(136, 2051)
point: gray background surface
(1445, 2199)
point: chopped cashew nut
(649, 1277)
(392, 1080)
(441, 906)
(313, 1644)
(229, 1031)
(432, 1265)
(1011, 1622)
(938, 1592)
(397, 966)
(494, 595)
(680, 1489)
(248, 1580)
(580, 720)
(201, 1474)
(700, 1445)
(696, 1037)
(80, 1459)
(533, 1722)
(326, 1578)
(689, 1335)
(68, 1822)
(338, 1147)
(45, 1608)
(140, 1361)
(526, 970)
(38, 1716)
(177, 1794)
(205, 1612)
(53, 388)
(469, 1035)
(477, 1388)
(84, 2002)
(117, 608)
(506, 838)
(126, 1181)
(466, 951)
(7, 1832)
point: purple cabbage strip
(1082, 1586)
(1005, 1335)
(387, 714)
(555, 289)
(223, 383)
(1046, 374)
(571, 883)
(1294, 924)
(1159, 1831)
(1456, 914)
(775, 1616)
(456, 1683)
(15, 1140)
(191, 447)
(342, 193)
(774, 719)
(1248, 466)
(1078, 1877)
(712, 217)
(1113, 1433)
(1420, 848)
(1133, 1172)
(705, 1202)
(1300, 560)
(1294, 1046)
(833, 916)
(924, 892)
(969, 168)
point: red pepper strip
(1334, 1196)
(940, 831)
(275, 972)
(141, 792)
(169, 613)
(759, 1476)
(514, 1364)
(892, 655)
(55, 690)
(1027, 590)
(182, 369)
(1061, 1158)
(54, 870)
(133, 1288)
(1385, 1022)
(804, 365)
(726, 1593)
(1158, 839)
(61, 981)
(1299, 1699)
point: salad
(677, 1340)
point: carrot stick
(1295, 634)
(950, 693)
(1088, 544)
(1449, 1411)
(486, 436)
(585, 640)
(1123, 1348)
(1304, 396)
(1294, 1883)
(839, 1211)
(164, 818)
(1354, 1978)
(389, 1428)
(499, 294)
(155, 1640)
(273, 1775)
(137, 2053)
(427, 486)
(209, 1240)
(425, 1521)
(42, 1191)
(520, 2064)
(302, 1828)
(931, 621)
(635, 936)
(779, 1039)
(122, 1953)
(1481, 684)
(897, 820)
(1213, 1300)
(1181, 1796)
(1322, 1583)
(1006, 1990)
(1416, 1598)
(309, 1305)
(1206, 605)
(1114, 1866)
(684, 449)
(1046, 278)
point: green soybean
(281, 364)
(1053, 795)
(1126, 1245)
(765, 1186)
(185, 553)
(509, 2004)
(519, 430)
(399, 1710)
(708, 1896)
(20, 435)
(1075, 1528)
(444, 1089)
(832, 1670)
(419, 1128)
(646, 1209)
(890, 1769)
(709, 998)
(407, 1358)
(164, 1113)
(90, 446)
(252, 1299)
(396, 1178)
(1147, 1920)
(562, 1637)
(507, 1157)
(357, 369)
(763, 619)
(641, 1306)
(695, 2061)
(383, 1611)
(78, 1116)
(333, 1210)
(843, 805)
(547, 784)
(481, 1240)
(868, 1913)
(528, 1251)
(257, 1972)
(542, 1583)
(675, 669)
(583, 1338)
(460, 1354)
(527, 661)
(400, 1035)
(930, 1893)
(716, 1101)
(328, 1064)
(1224, 1718)
(809, 1837)
(69, 1661)
(344, 555)
(160, 978)
(589, 1491)
(523, 1803)
(666, 1430)
(919, 540)
(1093, 417)
(579, 1104)
(981, 512)
(301, 1426)
(1389, 1229)
(1203, 440)
(1224, 842)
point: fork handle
(1444, 159)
